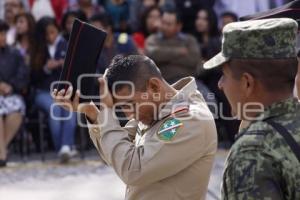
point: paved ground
(80, 180)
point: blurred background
(44, 158)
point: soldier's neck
(270, 98)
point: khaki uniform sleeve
(94, 131)
(156, 159)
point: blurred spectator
(11, 9)
(175, 53)
(119, 11)
(25, 28)
(139, 7)
(2, 2)
(59, 7)
(68, 19)
(13, 79)
(277, 3)
(189, 9)
(207, 33)
(41, 8)
(101, 2)
(208, 36)
(149, 3)
(241, 8)
(47, 62)
(137, 10)
(150, 23)
(87, 7)
(228, 17)
(1, 9)
(53, 8)
(94, 2)
(115, 43)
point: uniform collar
(289, 105)
(276, 109)
(184, 87)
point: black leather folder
(289, 10)
(84, 48)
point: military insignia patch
(169, 129)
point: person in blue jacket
(46, 66)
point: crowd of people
(179, 35)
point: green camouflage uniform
(261, 164)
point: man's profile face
(138, 105)
(170, 27)
(231, 88)
(12, 8)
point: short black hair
(3, 26)
(275, 74)
(230, 14)
(136, 69)
(103, 18)
(175, 12)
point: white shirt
(42, 8)
(52, 47)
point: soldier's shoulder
(254, 137)
(190, 111)
(186, 118)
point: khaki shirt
(152, 166)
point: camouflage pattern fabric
(261, 165)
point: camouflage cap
(257, 39)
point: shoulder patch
(169, 129)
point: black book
(84, 48)
(289, 10)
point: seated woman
(25, 29)
(13, 79)
(47, 60)
(150, 24)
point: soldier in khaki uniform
(166, 150)
(259, 66)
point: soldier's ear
(248, 84)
